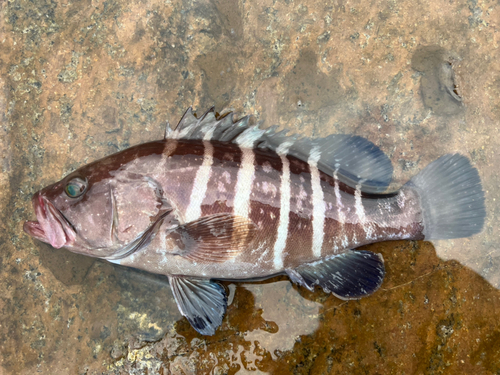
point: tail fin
(452, 198)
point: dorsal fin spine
(357, 161)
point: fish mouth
(51, 225)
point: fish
(221, 199)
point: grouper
(219, 199)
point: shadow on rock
(437, 85)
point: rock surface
(82, 79)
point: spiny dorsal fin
(208, 127)
(352, 159)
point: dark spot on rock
(105, 332)
(408, 165)
(209, 13)
(323, 38)
(118, 352)
(230, 16)
(446, 327)
(69, 268)
(220, 76)
(139, 32)
(437, 84)
(309, 89)
(127, 71)
(380, 350)
(65, 109)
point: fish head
(96, 211)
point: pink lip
(51, 227)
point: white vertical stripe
(358, 204)
(282, 233)
(244, 183)
(284, 147)
(199, 190)
(340, 207)
(319, 206)
(338, 198)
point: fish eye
(75, 187)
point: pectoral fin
(214, 238)
(203, 302)
(351, 275)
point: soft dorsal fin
(352, 159)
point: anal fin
(351, 275)
(202, 301)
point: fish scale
(218, 199)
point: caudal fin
(452, 198)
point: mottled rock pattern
(80, 80)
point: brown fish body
(223, 200)
(253, 189)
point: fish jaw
(51, 226)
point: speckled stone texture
(80, 80)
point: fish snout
(51, 225)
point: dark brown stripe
(226, 152)
(221, 187)
(298, 166)
(219, 197)
(103, 168)
(265, 159)
(100, 169)
(266, 218)
(299, 242)
(187, 147)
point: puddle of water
(287, 316)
